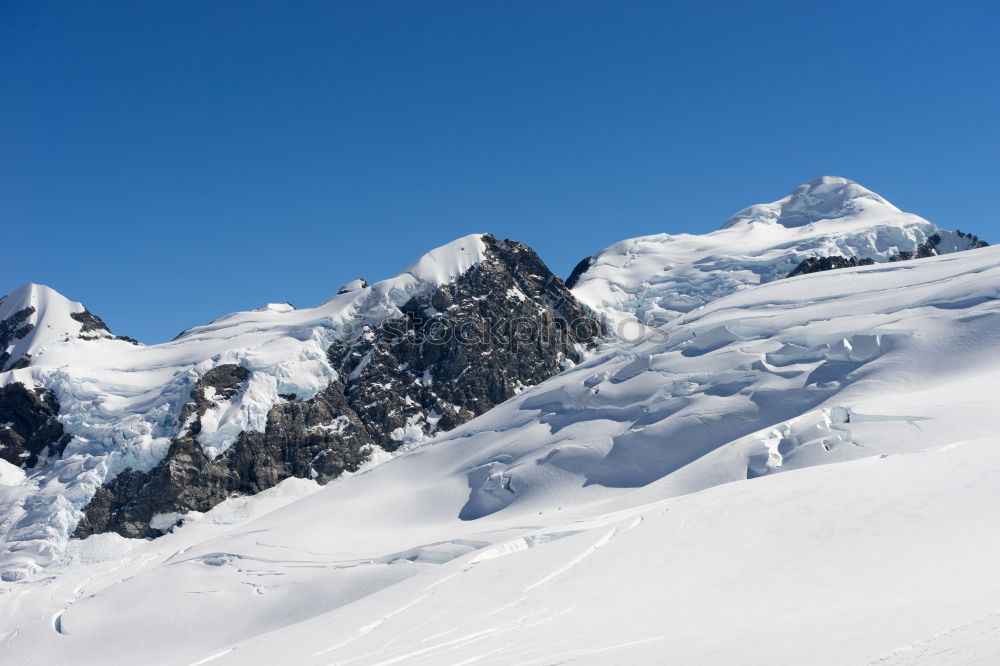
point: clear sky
(169, 162)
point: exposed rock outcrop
(29, 425)
(817, 264)
(505, 324)
(928, 248)
(318, 438)
(578, 271)
(90, 322)
(973, 240)
(14, 327)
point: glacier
(652, 279)
(780, 470)
(120, 401)
(627, 508)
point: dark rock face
(578, 271)
(320, 439)
(226, 380)
(14, 327)
(973, 240)
(506, 324)
(29, 425)
(90, 321)
(817, 264)
(457, 352)
(94, 324)
(928, 248)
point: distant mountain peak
(33, 316)
(28, 295)
(824, 198)
(656, 278)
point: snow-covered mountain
(126, 437)
(636, 506)
(543, 501)
(655, 278)
(35, 317)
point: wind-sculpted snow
(670, 497)
(121, 401)
(762, 380)
(619, 511)
(656, 278)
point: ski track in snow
(590, 550)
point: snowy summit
(471, 463)
(826, 198)
(656, 278)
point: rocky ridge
(146, 434)
(928, 248)
(505, 324)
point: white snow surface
(800, 472)
(121, 401)
(655, 278)
(51, 320)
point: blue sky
(167, 163)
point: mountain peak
(656, 278)
(28, 295)
(824, 198)
(34, 315)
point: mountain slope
(655, 278)
(239, 404)
(662, 499)
(668, 497)
(34, 317)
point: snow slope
(120, 401)
(656, 278)
(666, 500)
(48, 319)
